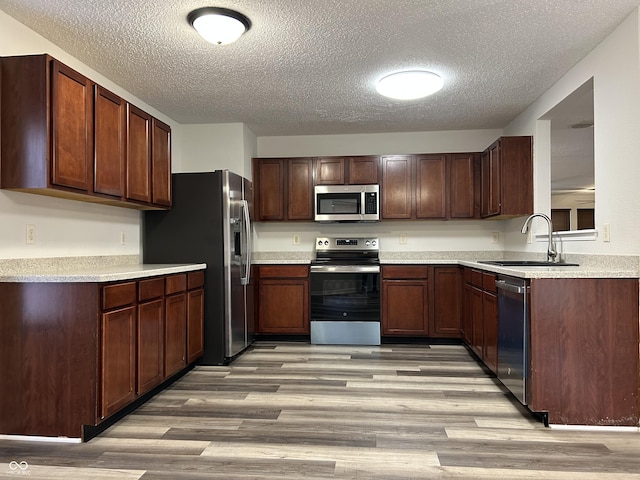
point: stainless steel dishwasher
(513, 334)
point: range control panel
(351, 244)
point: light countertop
(86, 269)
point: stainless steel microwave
(347, 203)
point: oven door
(345, 304)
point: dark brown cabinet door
(118, 359)
(447, 314)
(195, 324)
(138, 177)
(491, 180)
(71, 128)
(397, 172)
(405, 308)
(300, 189)
(461, 185)
(161, 164)
(363, 170)
(477, 322)
(467, 318)
(330, 171)
(150, 345)
(490, 319)
(175, 353)
(109, 143)
(269, 188)
(431, 183)
(283, 299)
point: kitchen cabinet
(175, 341)
(447, 293)
(429, 186)
(283, 189)
(481, 316)
(110, 143)
(507, 178)
(583, 360)
(283, 299)
(63, 135)
(362, 170)
(95, 348)
(395, 189)
(150, 334)
(405, 300)
(195, 316)
(118, 347)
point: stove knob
(367, 243)
(320, 243)
(374, 243)
(326, 243)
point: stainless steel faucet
(552, 253)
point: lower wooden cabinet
(447, 306)
(283, 299)
(175, 333)
(195, 324)
(405, 300)
(118, 359)
(480, 322)
(150, 345)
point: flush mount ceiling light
(219, 25)
(409, 85)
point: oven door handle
(345, 268)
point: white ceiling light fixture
(219, 26)
(409, 85)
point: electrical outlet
(296, 240)
(495, 237)
(403, 239)
(122, 239)
(31, 234)
(606, 232)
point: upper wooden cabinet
(395, 190)
(507, 178)
(361, 170)
(283, 188)
(429, 186)
(62, 135)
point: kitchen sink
(527, 263)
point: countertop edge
(102, 275)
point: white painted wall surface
(615, 67)
(377, 143)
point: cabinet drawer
(118, 295)
(476, 278)
(489, 282)
(176, 283)
(283, 271)
(151, 288)
(405, 271)
(195, 279)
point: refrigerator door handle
(247, 250)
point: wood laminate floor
(293, 410)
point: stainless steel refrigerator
(210, 222)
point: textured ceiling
(309, 66)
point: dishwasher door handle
(510, 287)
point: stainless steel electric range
(345, 292)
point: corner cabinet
(63, 135)
(96, 348)
(507, 178)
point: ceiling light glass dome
(409, 85)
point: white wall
(217, 146)
(615, 67)
(377, 143)
(66, 227)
